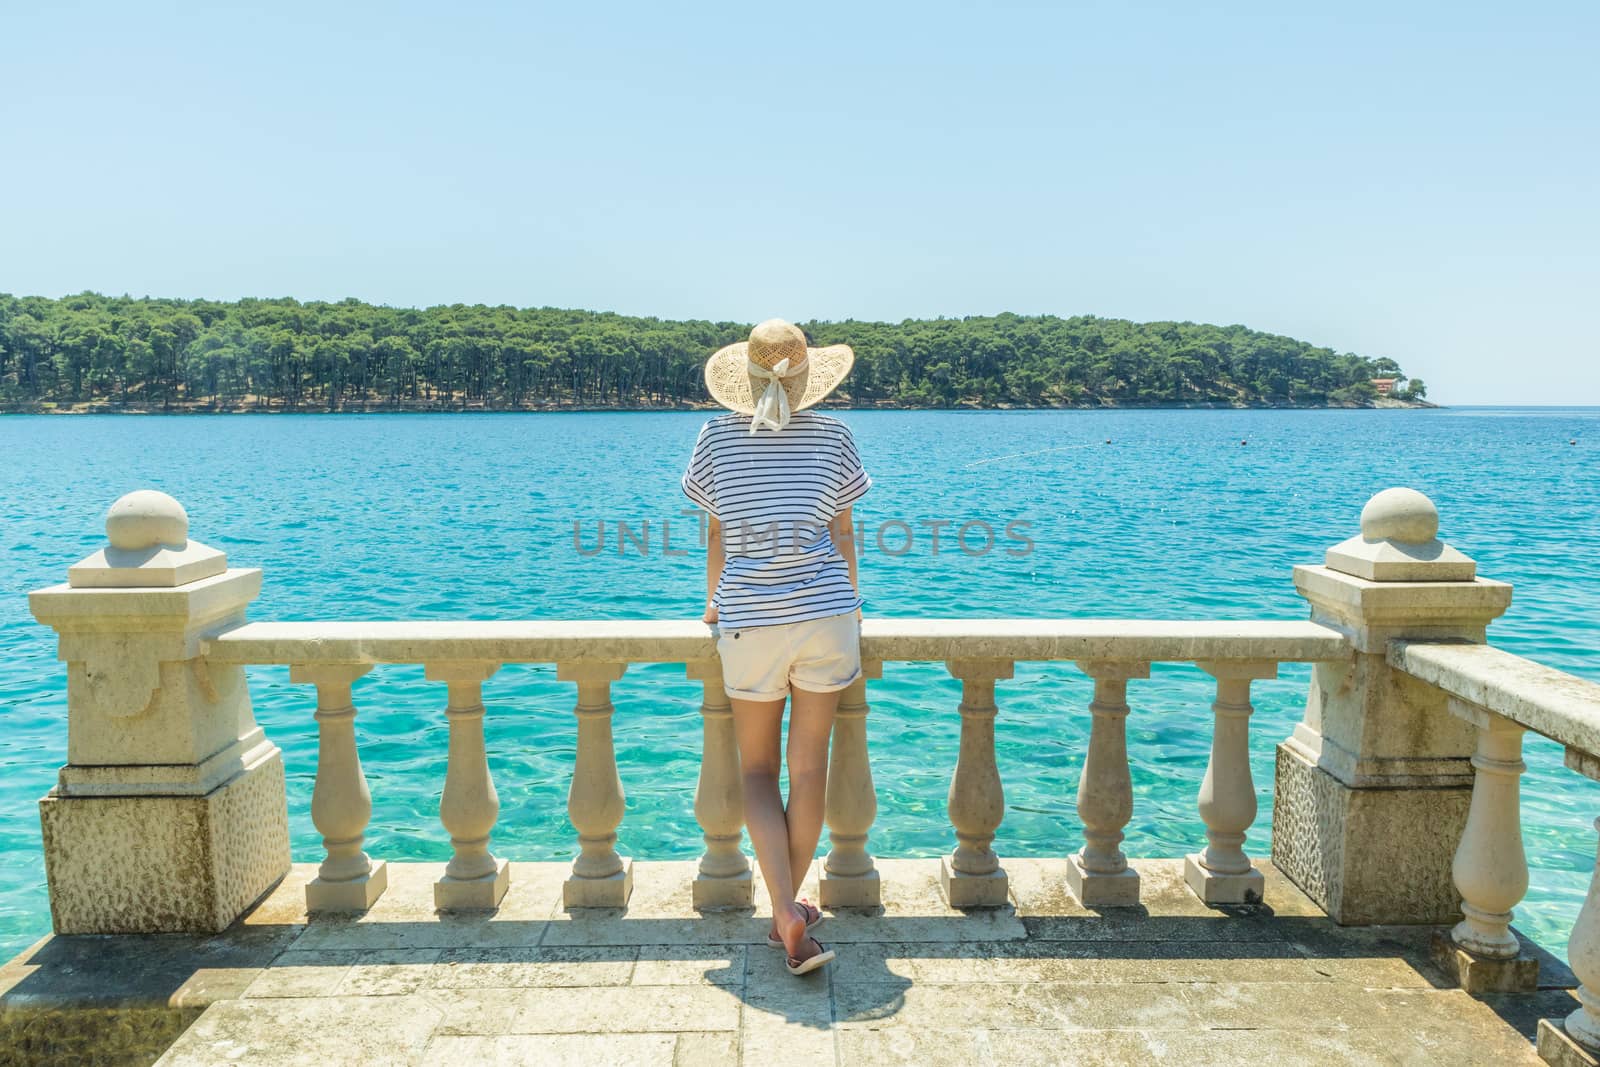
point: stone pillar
(1222, 873)
(1098, 874)
(601, 877)
(341, 803)
(971, 876)
(724, 879)
(1490, 867)
(1576, 1039)
(849, 876)
(1372, 789)
(475, 879)
(169, 815)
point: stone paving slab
(1042, 980)
(368, 1030)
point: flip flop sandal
(823, 957)
(774, 941)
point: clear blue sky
(1420, 181)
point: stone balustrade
(1395, 798)
(593, 655)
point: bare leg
(758, 727)
(810, 726)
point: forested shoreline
(97, 353)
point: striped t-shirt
(775, 491)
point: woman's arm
(843, 531)
(714, 565)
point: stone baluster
(1099, 875)
(972, 875)
(724, 880)
(341, 804)
(849, 878)
(1222, 874)
(1582, 1027)
(474, 878)
(600, 877)
(1490, 869)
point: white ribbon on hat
(772, 409)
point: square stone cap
(155, 567)
(1329, 588)
(126, 608)
(1396, 561)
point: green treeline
(109, 353)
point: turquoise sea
(1170, 514)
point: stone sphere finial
(1402, 515)
(146, 518)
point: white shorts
(818, 656)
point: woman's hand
(714, 560)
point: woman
(778, 482)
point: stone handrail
(1504, 695)
(674, 641)
(1551, 703)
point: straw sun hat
(774, 374)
